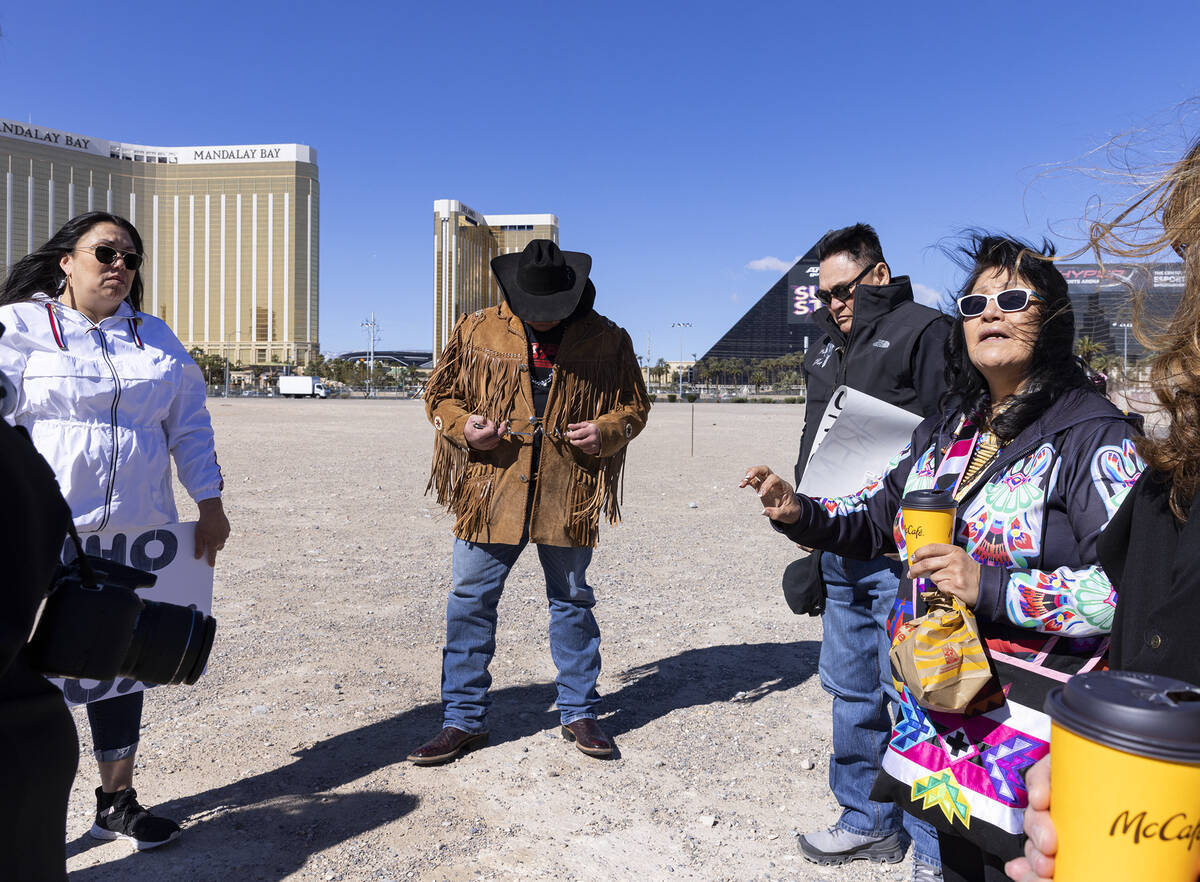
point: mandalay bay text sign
(145, 153)
(29, 132)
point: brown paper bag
(940, 657)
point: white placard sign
(857, 437)
(168, 551)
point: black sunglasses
(106, 254)
(1011, 300)
(842, 292)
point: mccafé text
(1175, 828)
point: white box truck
(302, 387)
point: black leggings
(963, 861)
(116, 724)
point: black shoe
(119, 816)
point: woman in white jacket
(108, 394)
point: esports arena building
(231, 232)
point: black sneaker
(119, 816)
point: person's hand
(1042, 844)
(585, 436)
(212, 529)
(483, 434)
(777, 496)
(951, 570)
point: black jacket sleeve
(929, 365)
(33, 524)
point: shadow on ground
(740, 672)
(266, 826)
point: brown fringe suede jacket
(484, 370)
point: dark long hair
(1054, 368)
(39, 271)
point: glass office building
(464, 243)
(1102, 300)
(231, 233)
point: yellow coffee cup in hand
(1125, 777)
(928, 518)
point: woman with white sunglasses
(1037, 462)
(109, 396)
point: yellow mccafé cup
(928, 517)
(1125, 778)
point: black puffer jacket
(895, 352)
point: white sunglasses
(1009, 300)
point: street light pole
(1124, 326)
(372, 331)
(681, 326)
(225, 353)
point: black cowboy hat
(542, 283)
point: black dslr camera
(93, 625)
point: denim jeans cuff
(568, 719)
(859, 831)
(118, 753)
(927, 860)
(464, 726)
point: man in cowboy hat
(533, 403)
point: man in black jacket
(879, 341)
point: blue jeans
(479, 571)
(860, 597)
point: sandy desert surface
(286, 761)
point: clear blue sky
(678, 143)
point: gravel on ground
(287, 759)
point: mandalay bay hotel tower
(230, 232)
(464, 243)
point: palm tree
(1094, 354)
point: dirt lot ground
(287, 761)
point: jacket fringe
(449, 461)
(449, 467)
(591, 494)
(491, 383)
(493, 379)
(473, 502)
(583, 391)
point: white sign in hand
(167, 551)
(857, 437)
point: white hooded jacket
(105, 404)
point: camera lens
(170, 644)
